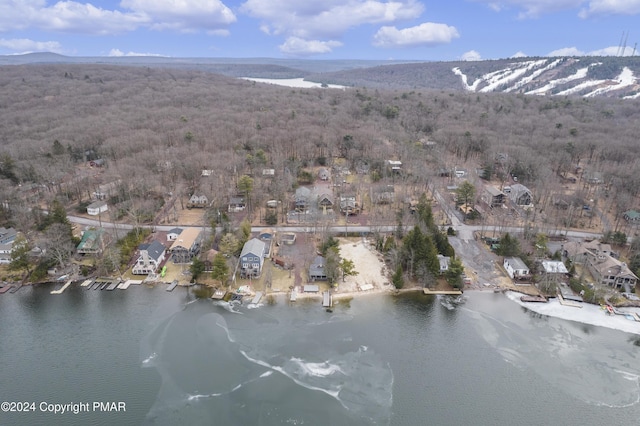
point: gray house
(316, 270)
(252, 258)
(520, 195)
(301, 198)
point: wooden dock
(256, 298)
(5, 289)
(326, 299)
(112, 286)
(63, 288)
(125, 285)
(564, 302)
(16, 288)
(218, 294)
(294, 294)
(448, 292)
(86, 283)
(538, 299)
(173, 285)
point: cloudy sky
(320, 29)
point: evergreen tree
(397, 279)
(220, 268)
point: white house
(515, 267)
(151, 255)
(96, 208)
(444, 263)
(173, 234)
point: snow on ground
(588, 314)
(581, 73)
(581, 86)
(510, 74)
(528, 79)
(625, 79)
(464, 79)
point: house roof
(444, 261)
(612, 266)
(175, 231)
(255, 247)
(7, 234)
(317, 267)
(303, 193)
(96, 205)
(187, 238)
(516, 263)
(632, 215)
(493, 191)
(90, 240)
(554, 267)
(236, 200)
(327, 197)
(155, 249)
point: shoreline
(589, 314)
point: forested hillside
(157, 129)
(587, 76)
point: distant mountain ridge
(617, 77)
(584, 76)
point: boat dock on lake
(86, 283)
(326, 299)
(565, 302)
(5, 289)
(125, 285)
(450, 292)
(218, 294)
(294, 294)
(173, 285)
(256, 298)
(63, 288)
(538, 299)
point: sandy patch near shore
(372, 272)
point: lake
(390, 360)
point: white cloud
(329, 18)
(118, 53)
(183, 15)
(84, 17)
(25, 45)
(566, 51)
(519, 54)
(71, 16)
(428, 33)
(532, 8)
(298, 47)
(607, 51)
(471, 55)
(611, 7)
(536, 8)
(611, 51)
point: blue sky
(320, 29)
